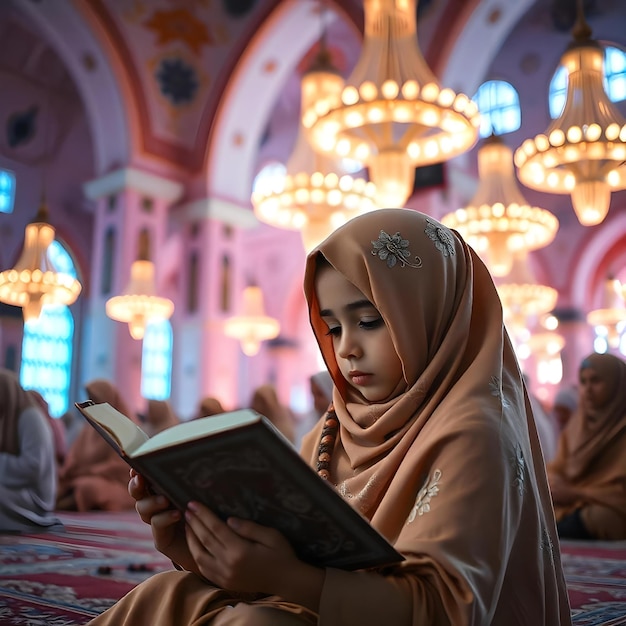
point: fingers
(207, 526)
(149, 506)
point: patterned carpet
(66, 578)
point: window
(7, 191)
(269, 177)
(156, 360)
(47, 344)
(614, 81)
(498, 103)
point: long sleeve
(35, 455)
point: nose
(348, 345)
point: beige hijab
(590, 454)
(13, 401)
(449, 467)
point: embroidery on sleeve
(394, 249)
(519, 469)
(425, 495)
(360, 497)
(444, 241)
(496, 391)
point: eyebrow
(353, 306)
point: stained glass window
(156, 360)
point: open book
(238, 464)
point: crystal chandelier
(523, 299)
(611, 317)
(138, 304)
(583, 152)
(545, 347)
(392, 115)
(34, 281)
(312, 197)
(498, 222)
(253, 326)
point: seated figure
(588, 474)
(28, 474)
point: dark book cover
(253, 473)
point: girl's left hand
(243, 556)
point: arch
(270, 58)
(72, 37)
(478, 38)
(606, 242)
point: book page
(121, 428)
(197, 429)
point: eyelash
(373, 325)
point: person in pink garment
(93, 476)
(430, 437)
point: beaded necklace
(327, 443)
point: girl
(430, 436)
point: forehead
(334, 291)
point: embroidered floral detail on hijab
(425, 495)
(444, 241)
(519, 468)
(394, 249)
(496, 391)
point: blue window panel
(498, 103)
(47, 344)
(7, 191)
(47, 356)
(156, 360)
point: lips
(359, 378)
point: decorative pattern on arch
(72, 37)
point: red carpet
(66, 578)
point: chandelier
(611, 317)
(499, 222)
(312, 197)
(34, 281)
(253, 326)
(392, 114)
(522, 298)
(138, 303)
(583, 152)
(546, 347)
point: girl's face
(363, 348)
(594, 391)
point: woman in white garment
(28, 475)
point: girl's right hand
(167, 523)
